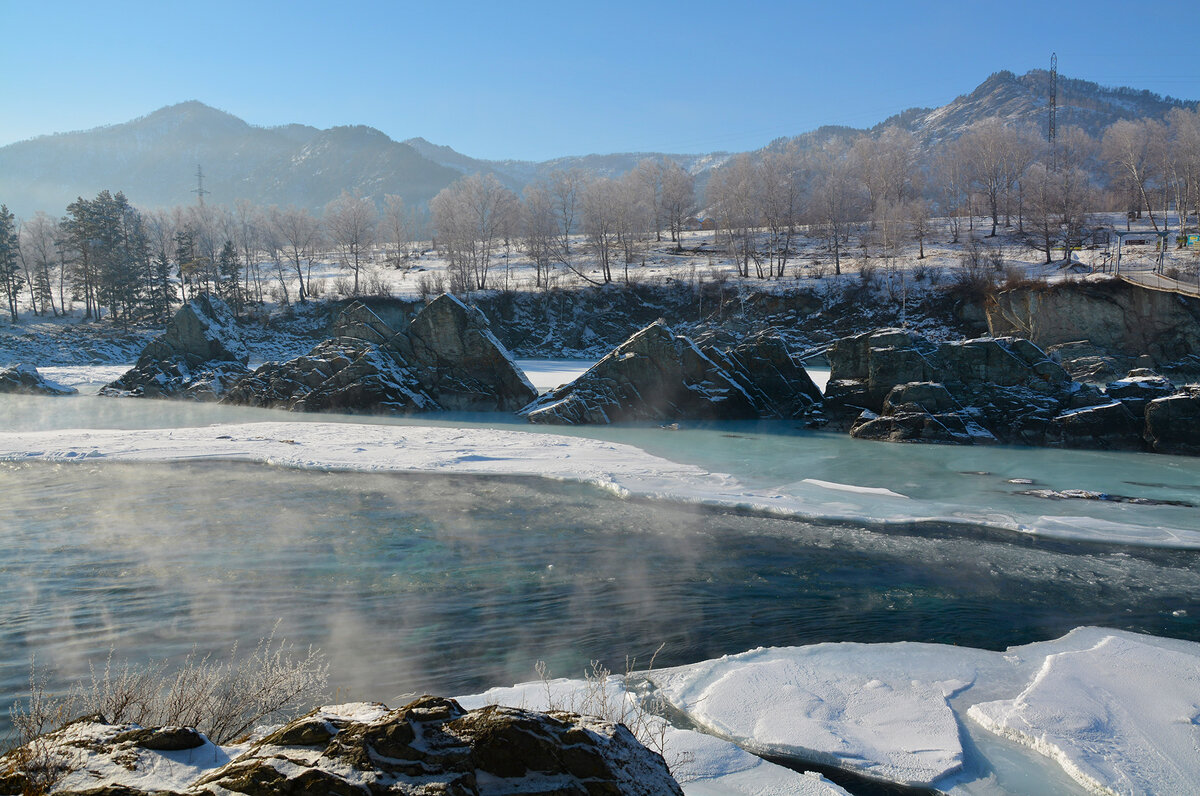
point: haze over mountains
(153, 159)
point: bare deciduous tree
(470, 216)
(298, 233)
(350, 222)
(1135, 151)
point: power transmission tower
(1053, 107)
(199, 190)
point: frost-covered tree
(396, 228)
(299, 234)
(566, 187)
(735, 200)
(470, 217)
(678, 198)
(351, 222)
(39, 249)
(838, 198)
(1183, 162)
(540, 232)
(602, 206)
(781, 183)
(1135, 152)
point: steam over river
(450, 584)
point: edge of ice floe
(624, 470)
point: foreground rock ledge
(430, 746)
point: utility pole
(199, 190)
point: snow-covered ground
(704, 259)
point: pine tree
(229, 270)
(11, 281)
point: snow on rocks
(199, 356)
(430, 745)
(703, 764)
(25, 380)
(447, 359)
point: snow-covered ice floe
(703, 764)
(1117, 711)
(621, 468)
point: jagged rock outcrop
(921, 411)
(447, 359)
(461, 363)
(199, 356)
(24, 379)
(899, 386)
(1173, 423)
(657, 375)
(1117, 319)
(778, 385)
(429, 746)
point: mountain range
(154, 159)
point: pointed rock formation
(199, 356)
(447, 360)
(658, 376)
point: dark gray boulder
(778, 385)
(921, 412)
(24, 379)
(433, 745)
(1173, 423)
(654, 375)
(1138, 388)
(460, 363)
(1108, 426)
(357, 370)
(446, 360)
(659, 376)
(200, 356)
(984, 390)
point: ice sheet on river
(1117, 711)
(620, 468)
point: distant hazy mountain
(153, 159)
(519, 173)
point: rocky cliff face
(1114, 318)
(429, 746)
(896, 386)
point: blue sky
(535, 80)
